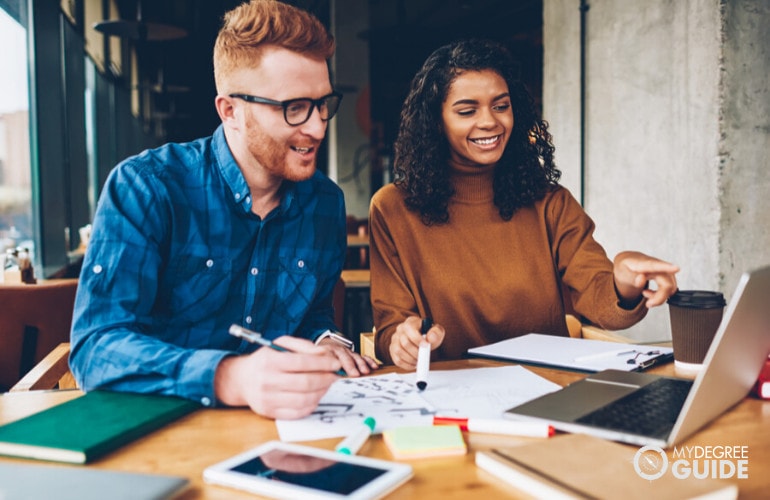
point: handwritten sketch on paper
(394, 401)
(482, 392)
(391, 400)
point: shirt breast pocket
(297, 286)
(200, 287)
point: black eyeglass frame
(314, 103)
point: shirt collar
(231, 172)
(472, 184)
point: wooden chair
(366, 344)
(34, 320)
(582, 330)
(53, 372)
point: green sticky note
(425, 441)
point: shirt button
(248, 319)
(97, 269)
(248, 199)
(209, 263)
(254, 271)
(206, 401)
(237, 196)
(300, 263)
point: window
(16, 227)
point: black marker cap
(426, 324)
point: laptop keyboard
(651, 410)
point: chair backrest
(34, 319)
(580, 330)
(53, 372)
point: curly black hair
(526, 170)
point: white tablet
(284, 470)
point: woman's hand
(405, 343)
(634, 270)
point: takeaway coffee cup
(695, 317)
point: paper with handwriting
(393, 400)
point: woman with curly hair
(476, 233)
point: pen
(257, 338)
(355, 440)
(498, 426)
(423, 355)
(663, 358)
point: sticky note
(425, 441)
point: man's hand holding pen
(405, 343)
(295, 374)
(276, 383)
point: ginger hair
(250, 27)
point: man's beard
(272, 156)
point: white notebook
(576, 354)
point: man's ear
(226, 110)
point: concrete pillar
(676, 131)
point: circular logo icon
(650, 462)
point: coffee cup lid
(697, 299)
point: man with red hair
(236, 228)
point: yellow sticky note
(425, 441)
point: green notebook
(90, 426)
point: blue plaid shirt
(176, 257)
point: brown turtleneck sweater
(485, 279)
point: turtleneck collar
(473, 184)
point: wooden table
(207, 436)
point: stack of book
(581, 466)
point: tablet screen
(309, 471)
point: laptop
(669, 409)
(29, 481)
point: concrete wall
(676, 137)
(561, 86)
(744, 148)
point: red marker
(498, 426)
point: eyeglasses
(298, 111)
